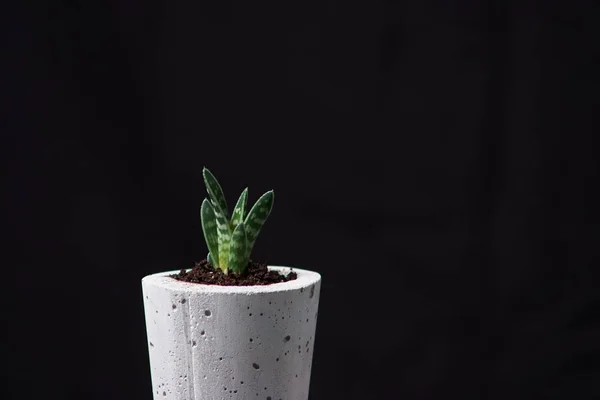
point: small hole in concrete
(255, 366)
(312, 292)
(250, 314)
(173, 306)
(194, 343)
(165, 394)
(250, 339)
(287, 338)
(220, 358)
(202, 333)
(277, 359)
(241, 382)
(151, 345)
(207, 313)
(261, 314)
(183, 301)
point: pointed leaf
(224, 234)
(256, 218)
(209, 228)
(215, 192)
(240, 209)
(237, 252)
(220, 209)
(210, 260)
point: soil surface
(255, 274)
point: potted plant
(231, 328)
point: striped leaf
(215, 192)
(240, 209)
(217, 200)
(224, 233)
(219, 204)
(210, 260)
(256, 218)
(209, 227)
(238, 260)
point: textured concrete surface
(209, 342)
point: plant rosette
(230, 328)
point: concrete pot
(209, 342)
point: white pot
(210, 342)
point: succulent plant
(230, 240)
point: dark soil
(255, 274)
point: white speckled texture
(209, 342)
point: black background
(435, 161)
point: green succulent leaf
(240, 209)
(219, 204)
(224, 242)
(215, 192)
(230, 241)
(256, 218)
(209, 228)
(238, 260)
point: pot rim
(305, 279)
